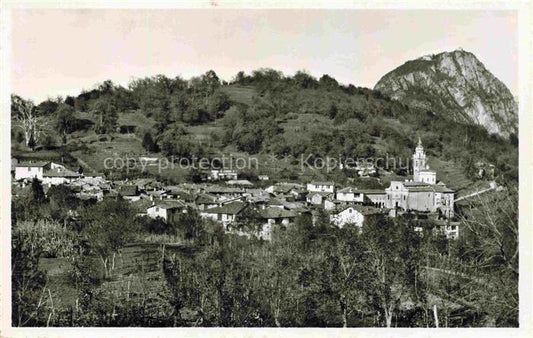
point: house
(180, 193)
(350, 194)
(219, 190)
(59, 175)
(206, 201)
(240, 182)
(284, 188)
(28, 170)
(317, 198)
(364, 169)
(93, 178)
(321, 187)
(225, 214)
(274, 216)
(154, 195)
(216, 175)
(167, 210)
(352, 214)
(144, 184)
(330, 203)
(130, 192)
(451, 230)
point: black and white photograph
(230, 167)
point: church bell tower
(419, 161)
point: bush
(54, 239)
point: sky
(62, 51)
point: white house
(321, 187)
(272, 216)
(317, 198)
(350, 194)
(59, 175)
(225, 214)
(130, 192)
(27, 170)
(352, 214)
(216, 175)
(240, 182)
(166, 210)
(345, 215)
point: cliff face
(455, 84)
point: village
(225, 197)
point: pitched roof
(169, 204)
(33, 164)
(322, 183)
(420, 189)
(215, 189)
(442, 188)
(128, 190)
(373, 192)
(415, 184)
(206, 199)
(277, 213)
(321, 193)
(232, 208)
(58, 172)
(364, 210)
(239, 182)
(348, 190)
(86, 174)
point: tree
(108, 226)
(328, 82)
(37, 196)
(148, 143)
(28, 282)
(190, 223)
(240, 78)
(304, 80)
(48, 107)
(105, 108)
(343, 267)
(392, 253)
(26, 117)
(65, 119)
(333, 110)
(490, 230)
(62, 202)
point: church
(422, 193)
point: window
(156, 209)
(29, 169)
(350, 211)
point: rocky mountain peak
(455, 84)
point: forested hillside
(265, 113)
